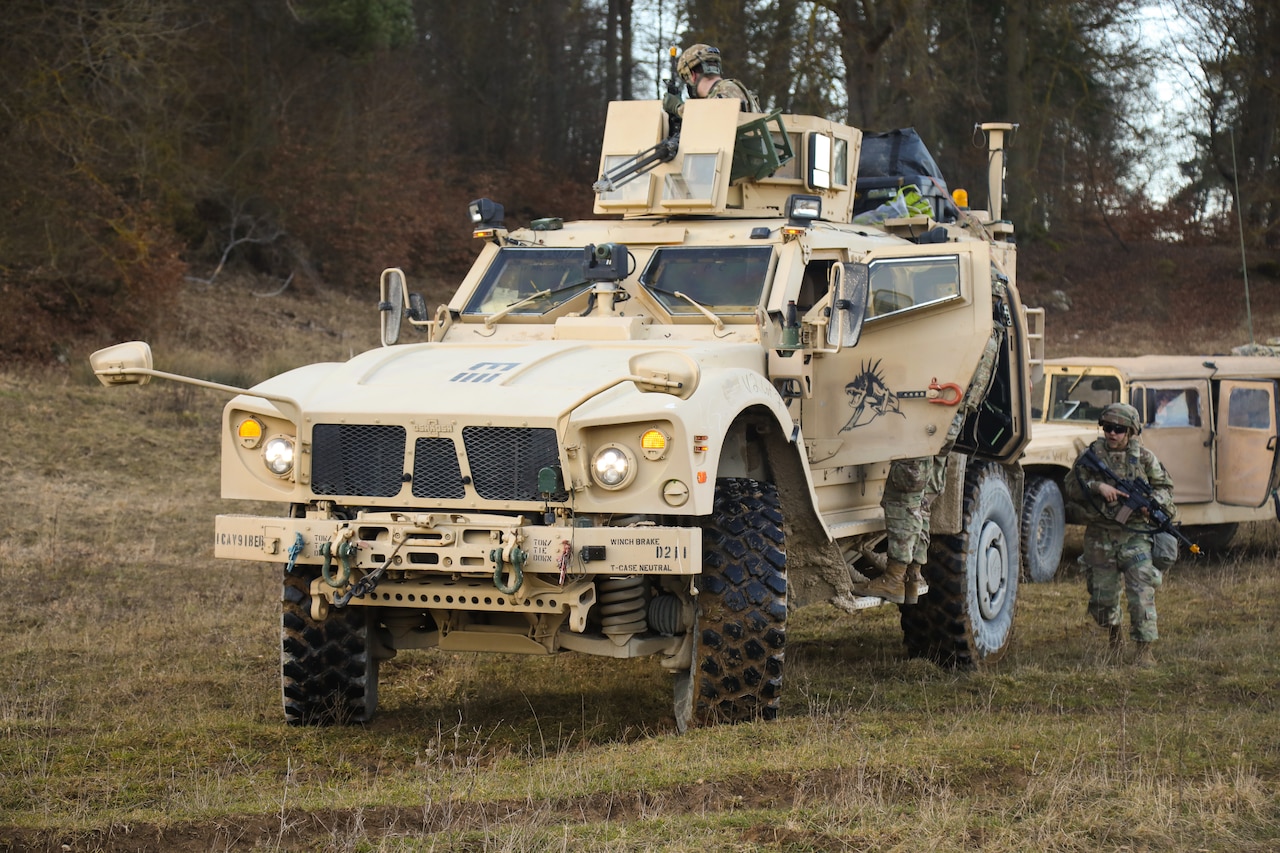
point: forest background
(150, 143)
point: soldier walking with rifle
(1125, 497)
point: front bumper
(449, 544)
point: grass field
(140, 705)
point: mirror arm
(287, 403)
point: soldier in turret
(700, 68)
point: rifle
(1138, 497)
(673, 88)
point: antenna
(1244, 262)
(995, 164)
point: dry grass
(140, 707)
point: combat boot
(911, 587)
(1117, 637)
(1144, 658)
(891, 586)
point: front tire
(967, 616)
(741, 611)
(328, 670)
(1044, 528)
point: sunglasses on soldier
(1114, 428)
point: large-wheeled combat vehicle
(649, 434)
(1211, 420)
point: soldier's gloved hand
(672, 103)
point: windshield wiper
(1079, 379)
(706, 312)
(498, 315)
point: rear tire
(967, 616)
(741, 611)
(328, 671)
(1044, 522)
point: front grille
(435, 469)
(505, 461)
(369, 460)
(357, 459)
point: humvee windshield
(518, 273)
(1081, 397)
(727, 280)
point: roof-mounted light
(486, 215)
(486, 211)
(801, 211)
(803, 208)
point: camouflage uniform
(906, 504)
(704, 60)
(726, 88)
(1119, 555)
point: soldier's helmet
(701, 58)
(1121, 414)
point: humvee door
(1176, 426)
(1247, 415)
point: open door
(1175, 425)
(1247, 413)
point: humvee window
(1037, 399)
(518, 273)
(725, 280)
(1081, 397)
(901, 284)
(1250, 409)
(1169, 407)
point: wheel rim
(993, 571)
(1045, 527)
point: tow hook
(346, 550)
(510, 551)
(944, 393)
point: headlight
(278, 456)
(613, 466)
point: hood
(537, 379)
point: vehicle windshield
(727, 280)
(1081, 396)
(518, 273)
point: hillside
(1104, 298)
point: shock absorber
(622, 606)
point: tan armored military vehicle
(1211, 420)
(650, 434)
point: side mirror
(666, 373)
(850, 285)
(391, 305)
(417, 308)
(123, 364)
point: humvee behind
(646, 435)
(1211, 420)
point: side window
(814, 285)
(1171, 407)
(908, 283)
(840, 168)
(1081, 397)
(1250, 408)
